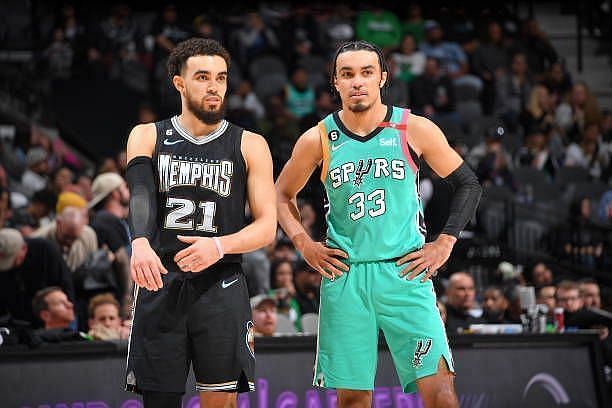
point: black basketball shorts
(203, 320)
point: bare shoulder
(253, 139)
(141, 141)
(309, 144)
(422, 133)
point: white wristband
(219, 247)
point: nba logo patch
(169, 132)
(334, 135)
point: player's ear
(336, 83)
(383, 79)
(178, 82)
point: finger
(415, 268)
(409, 257)
(148, 275)
(138, 277)
(411, 266)
(418, 270)
(337, 263)
(337, 252)
(190, 260)
(156, 276)
(187, 239)
(161, 267)
(323, 272)
(331, 269)
(429, 274)
(183, 253)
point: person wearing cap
(110, 204)
(264, 315)
(26, 266)
(35, 177)
(70, 231)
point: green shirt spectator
(379, 27)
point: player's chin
(358, 107)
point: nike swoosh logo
(170, 143)
(226, 285)
(336, 147)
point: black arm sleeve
(466, 195)
(143, 200)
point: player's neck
(195, 126)
(363, 123)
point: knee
(446, 398)
(354, 399)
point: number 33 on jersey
(374, 209)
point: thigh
(409, 318)
(219, 330)
(158, 359)
(348, 336)
(438, 389)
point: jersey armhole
(409, 153)
(324, 151)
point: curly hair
(191, 47)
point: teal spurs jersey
(374, 208)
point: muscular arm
(306, 156)
(261, 196)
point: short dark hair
(39, 303)
(191, 47)
(359, 45)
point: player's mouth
(358, 94)
(212, 99)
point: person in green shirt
(379, 27)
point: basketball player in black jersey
(190, 177)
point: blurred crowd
(537, 140)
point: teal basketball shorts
(354, 306)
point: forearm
(289, 220)
(258, 234)
(142, 217)
(464, 201)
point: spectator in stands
(53, 307)
(589, 152)
(580, 241)
(146, 113)
(558, 81)
(604, 209)
(299, 96)
(536, 154)
(545, 295)
(281, 129)
(409, 62)
(62, 178)
(59, 55)
(104, 320)
(244, 99)
(168, 32)
(495, 305)
(415, 25)
(540, 108)
(512, 91)
(541, 275)
(308, 217)
(433, 94)
(300, 27)
(35, 178)
(581, 110)
(590, 293)
(307, 285)
(396, 93)
(204, 27)
(84, 184)
(379, 27)
(568, 296)
(283, 290)
(538, 50)
(492, 161)
(27, 219)
(264, 315)
(336, 27)
(324, 105)
(453, 61)
(6, 212)
(284, 251)
(26, 266)
(460, 295)
(256, 267)
(70, 231)
(255, 38)
(111, 204)
(489, 61)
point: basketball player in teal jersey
(375, 262)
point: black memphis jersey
(201, 184)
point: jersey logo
(334, 135)
(170, 143)
(336, 147)
(169, 132)
(226, 285)
(422, 349)
(362, 171)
